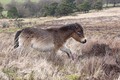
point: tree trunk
(114, 3)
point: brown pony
(51, 39)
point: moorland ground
(100, 55)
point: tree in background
(30, 7)
(54, 7)
(79, 2)
(114, 2)
(41, 7)
(1, 10)
(46, 7)
(12, 13)
(11, 8)
(98, 5)
(51, 9)
(10, 5)
(65, 7)
(84, 7)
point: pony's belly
(43, 47)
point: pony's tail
(16, 42)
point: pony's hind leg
(52, 55)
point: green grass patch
(31, 76)
(11, 73)
(72, 77)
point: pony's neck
(66, 34)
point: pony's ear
(77, 25)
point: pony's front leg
(67, 51)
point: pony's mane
(68, 27)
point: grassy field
(99, 58)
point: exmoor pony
(51, 39)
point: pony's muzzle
(84, 40)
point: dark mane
(68, 27)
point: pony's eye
(78, 32)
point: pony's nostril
(84, 41)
